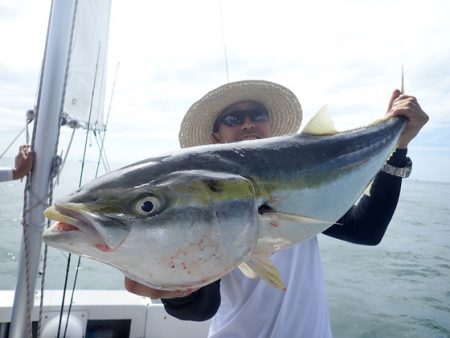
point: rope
(27, 273)
(61, 312)
(12, 142)
(54, 173)
(29, 119)
(41, 299)
(73, 293)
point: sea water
(400, 288)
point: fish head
(180, 230)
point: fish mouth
(73, 217)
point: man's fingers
(142, 290)
(139, 289)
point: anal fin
(262, 267)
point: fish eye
(148, 205)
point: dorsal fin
(320, 124)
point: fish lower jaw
(67, 233)
(61, 226)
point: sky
(165, 55)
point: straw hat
(284, 109)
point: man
(23, 165)
(244, 307)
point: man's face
(244, 120)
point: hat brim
(284, 109)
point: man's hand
(406, 105)
(23, 162)
(143, 290)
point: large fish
(184, 220)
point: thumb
(396, 93)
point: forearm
(366, 222)
(6, 174)
(198, 306)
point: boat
(71, 93)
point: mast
(50, 105)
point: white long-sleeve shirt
(6, 174)
(253, 308)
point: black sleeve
(367, 221)
(198, 306)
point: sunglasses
(237, 117)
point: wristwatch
(399, 172)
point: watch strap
(403, 172)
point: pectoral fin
(280, 230)
(262, 267)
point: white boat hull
(105, 314)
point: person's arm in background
(22, 165)
(6, 174)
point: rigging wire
(29, 119)
(54, 173)
(88, 129)
(106, 123)
(102, 155)
(68, 149)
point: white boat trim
(106, 312)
